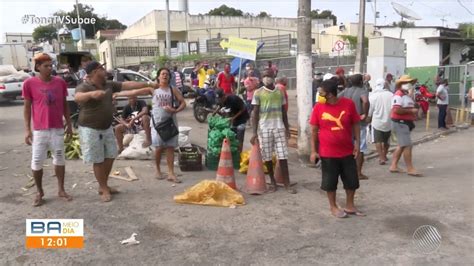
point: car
(11, 83)
(187, 76)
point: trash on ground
(90, 182)
(30, 184)
(232, 206)
(210, 192)
(430, 167)
(131, 240)
(116, 172)
(131, 173)
(74, 186)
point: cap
(93, 66)
(328, 76)
(340, 70)
(405, 79)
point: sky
(128, 11)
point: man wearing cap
(45, 102)
(403, 115)
(237, 113)
(360, 97)
(340, 74)
(98, 143)
(271, 128)
(379, 113)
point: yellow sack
(245, 160)
(211, 192)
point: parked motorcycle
(205, 102)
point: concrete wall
(418, 51)
(16, 37)
(386, 55)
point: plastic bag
(211, 192)
(136, 151)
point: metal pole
(78, 22)
(375, 15)
(187, 26)
(240, 70)
(304, 78)
(168, 31)
(139, 52)
(359, 62)
(463, 93)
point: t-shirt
(380, 108)
(401, 100)
(225, 83)
(128, 109)
(201, 77)
(97, 114)
(285, 93)
(355, 94)
(335, 123)
(235, 103)
(47, 101)
(251, 83)
(270, 104)
(443, 92)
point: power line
(467, 9)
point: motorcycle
(205, 102)
(423, 97)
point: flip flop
(161, 177)
(415, 174)
(340, 214)
(106, 198)
(356, 213)
(174, 180)
(397, 171)
(382, 162)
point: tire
(200, 113)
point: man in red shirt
(45, 105)
(225, 80)
(333, 124)
(403, 117)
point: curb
(424, 139)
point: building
(17, 37)
(343, 32)
(107, 34)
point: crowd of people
(345, 108)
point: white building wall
(418, 51)
(455, 53)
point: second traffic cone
(225, 171)
(255, 177)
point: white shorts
(44, 141)
(273, 140)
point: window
(133, 77)
(136, 51)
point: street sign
(339, 46)
(242, 48)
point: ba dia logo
(54, 233)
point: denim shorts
(97, 145)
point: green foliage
(467, 30)
(263, 14)
(353, 40)
(325, 14)
(404, 24)
(47, 32)
(224, 10)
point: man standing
(225, 80)
(238, 113)
(82, 72)
(98, 143)
(443, 101)
(389, 85)
(135, 117)
(270, 126)
(360, 97)
(272, 69)
(45, 102)
(177, 79)
(335, 140)
(340, 73)
(367, 79)
(403, 115)
(379, 113)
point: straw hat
(405, 79)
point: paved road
(273, 229)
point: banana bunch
(73, 147)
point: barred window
(136, 51)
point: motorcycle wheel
(200, 112)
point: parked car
(187, 76)
(11, 83)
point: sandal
(356, 213)
(340, 214)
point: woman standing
(166, 102)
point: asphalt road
(273, 229)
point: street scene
(202, 133)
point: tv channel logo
(54, 233)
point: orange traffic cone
(225, 172)
(255, 176)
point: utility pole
(168, 31)
(78, 22)
(304, 78)
(359, 62)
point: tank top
(161, 98)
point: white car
(11, 83)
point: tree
(466, 30)
(47, 32)
(263, 14)
(404, 24)
(224, 10)
(325, 14)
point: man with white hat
(379, 113)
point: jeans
(442, 115)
